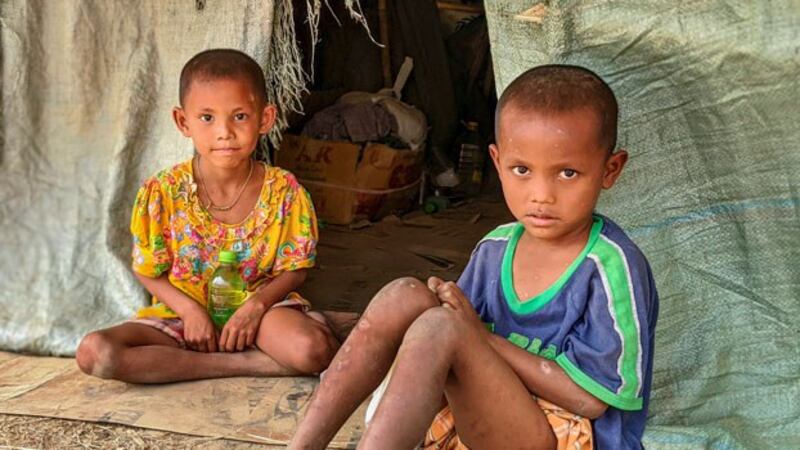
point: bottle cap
(429, 207)
(227, 256)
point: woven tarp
(87, 93)
(709, 99)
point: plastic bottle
(470, 158)
(226, 290)
(435, 203)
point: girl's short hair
(222, 63)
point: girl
(221, 199)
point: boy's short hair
(561, 88)
(222, 63)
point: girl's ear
(614, 165)
(268, 117)
(179, 116)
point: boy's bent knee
(437, 326)
(404, 297)
(96, 356)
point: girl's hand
(199, 332)
(452, 297)
(240, 331)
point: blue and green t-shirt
(596, 321)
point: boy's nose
(541, 191)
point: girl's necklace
(211, 204)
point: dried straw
(27, 432)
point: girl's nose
(224, 130)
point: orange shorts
(572, 431)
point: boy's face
(552, 169)
(224, 120)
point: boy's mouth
(540, 219)
(225, 149)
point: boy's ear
(495, 154)
(268, 117)
(179, 116)
(613, 168)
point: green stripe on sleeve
(616, 280)
(598, 390)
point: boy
(560, 304)
(185, 217)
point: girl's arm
(198, 330)
(278, 288)
(241, 330)
(160, 287)
(548, 380)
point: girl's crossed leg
(289, 342)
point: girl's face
(224, 119)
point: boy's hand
(241, 330)
(452, 297)
(199, 332)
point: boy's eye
(206, 117)
(519, 170)
(568, 174)
(240, 116)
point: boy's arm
(548, 380)
(541, 376)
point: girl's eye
(206, 118)
(519, 170)
(240, 116)
(568, 174)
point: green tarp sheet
(709, 97)
(710, 113)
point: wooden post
(386, 61)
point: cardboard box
(348, 182)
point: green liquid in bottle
(220, 317)
(226, 290)
(225, 306)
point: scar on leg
(399, 285)
(344, 361)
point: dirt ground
(26, 432)
(354, 262)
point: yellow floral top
(173, 233)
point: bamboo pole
(386, 61)
(451, 6)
